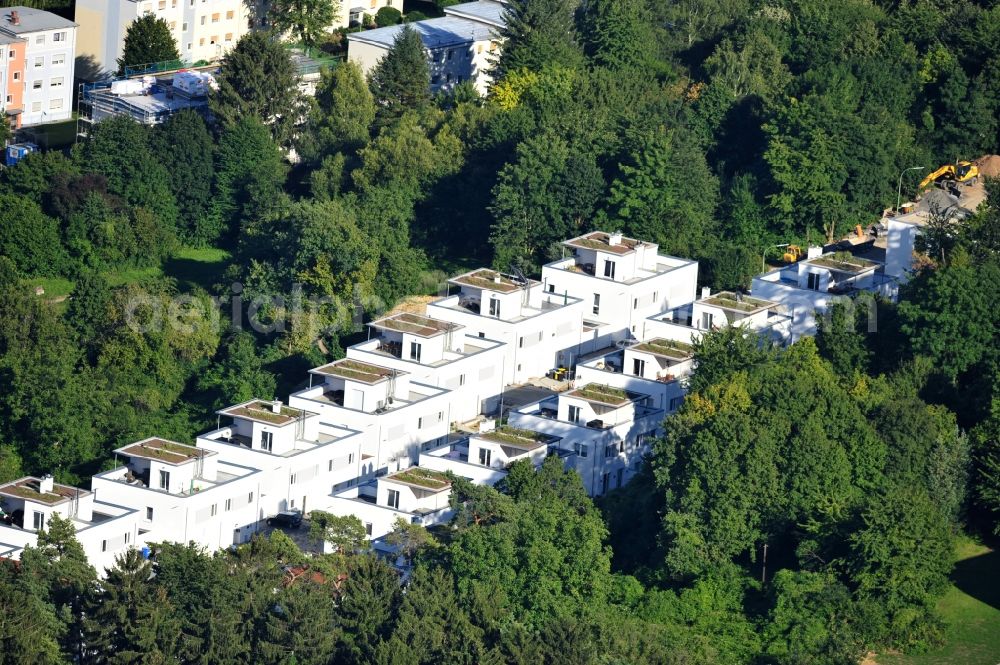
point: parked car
(287, 518)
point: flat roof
(434, 32)
(263, 411)
(524, 439)
(601, 393)
(737, 302)
(422, 478)
(415, 324)
(484, 11)
(32, 20)
(601, 241)
(28, 488)
(844, 262)
(356, 370)
(490, 280)
(163, 450)
(666, 348)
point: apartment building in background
(204, 30)
(37, 66)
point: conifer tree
(402, 79)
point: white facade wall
(48, 85)
(202, 517)
(202, 29)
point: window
(621, 477)
(635, 303)
(368, 528)
(39, 521)
(266, 441)
(17, 76)
(291, 481)
(393, 499)
(675, 403)
(482, 335)
(10, 54)
(173, 25)
(229, 505)
(162, 4)
(229, 14)
(374, 2)
(59, 37)
(39, 62)
(604, 482)
(609, 269)
(610, 451)
(520, 342)
(40, 39)
(203, 20)
(574, 414)
(656, 296)
(451, 54)
(214, 39)
(214, 510)
(56, 82)
(215, 18)
(812, 279)
(420, 423)
(597, 303)
(184, 27)
(621, 445)
(149, 513)
(495, 307)
(250, 497)
(36, 106)
(229, 36)
(581, 449)
(485, 456)
(461, 379)
(415, 351)
(329, 466)
(104, 546)
(164, 480)
(638, 367)
(350, 458)
(552, 288)
(707, 319)
(126, 537)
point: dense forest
(714, 127)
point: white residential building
(394, 413)
(621, 281)
(184, 494)
(687, 323)
(540, 330)
(415, 495)
(440, 354)
(301, 459)
(204, 30)
(483, 457)
(458, 49)
(46, 79)
(357, 12)
(105, 530)
(807, 288)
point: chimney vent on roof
(14, 18)
(276, 406)
(615, 239)
(46, 484)
(496, 278)
(706, 291)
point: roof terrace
(162, 450)
(425, 479)
(355, 370)
(666, 348)
(271, 413)
(843, 262)
(602, 394)
(523, 439)
(737, 302)
(30, 488)
(414, 324)
(613, 243)
(490, 280)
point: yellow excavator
(965, 172)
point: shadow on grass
(191, 273)
(979, 577)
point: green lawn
(971, 607)
(190, 266)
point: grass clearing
(971, 608)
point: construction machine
(792, 254)
(964, 172)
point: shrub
(388, 16)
